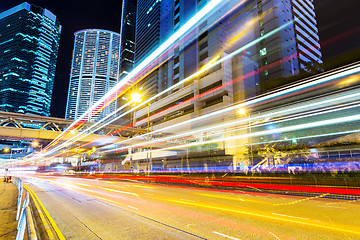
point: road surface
(102, 209)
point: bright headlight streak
(67, 143)
(77, 137)
(320, 79)
(140, 105)
(181, 82)
(301, 107)
(267, 132)
(199, 72)
(344, 73)
(175, 37)
(304, 137)
(170, 88)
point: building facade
(127, 31)
(29, 43)
(94, 71)
(294, 49)
(269, 43)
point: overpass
(18, 126)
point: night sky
(333, 18)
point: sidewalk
(8, 204)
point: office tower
(94, 71)
(127, 32)
(294, 49)
(29, 43)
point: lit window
(263, 51)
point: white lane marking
(274, 236)
(221, 234)
(187, 200)
(133, 207)
(289, 216)
(332, 206)
(113, 190)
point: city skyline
(109, 18)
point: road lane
(93, 209)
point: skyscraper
(94, 71)
(127, 32)
(294, 49)
(29, 43)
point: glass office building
(29, 43)
(94, 71)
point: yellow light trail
(272, 217)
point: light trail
(289, 110)
(175, 37)
(327, 226)
(266, 132)
(77, 138)
(311, 82)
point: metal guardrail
(24, 215)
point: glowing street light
(35, 144)
(136, 97)
(6, 150)
(241, 111)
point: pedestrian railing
(23, 214)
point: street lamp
(137, 98)
(6, 150)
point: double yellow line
(41, 209)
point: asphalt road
(101, 209)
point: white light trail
(289, 110)
(175, 37)
(266, 132)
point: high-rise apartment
(29, 43)
(94, 71)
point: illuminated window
(263, 51)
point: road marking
(289, 216)
(133, 207)
(332, 206)
(82, 184)
(302, 200)
(268, 216)
(187, 200)
(140, 186)
(224, 235)
(113, 190)
(274, 236)
(110, 182)
(231, 198)
(53, 224)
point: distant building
(94, 71)
(294, 49)
(29, 43)
(127, 32)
